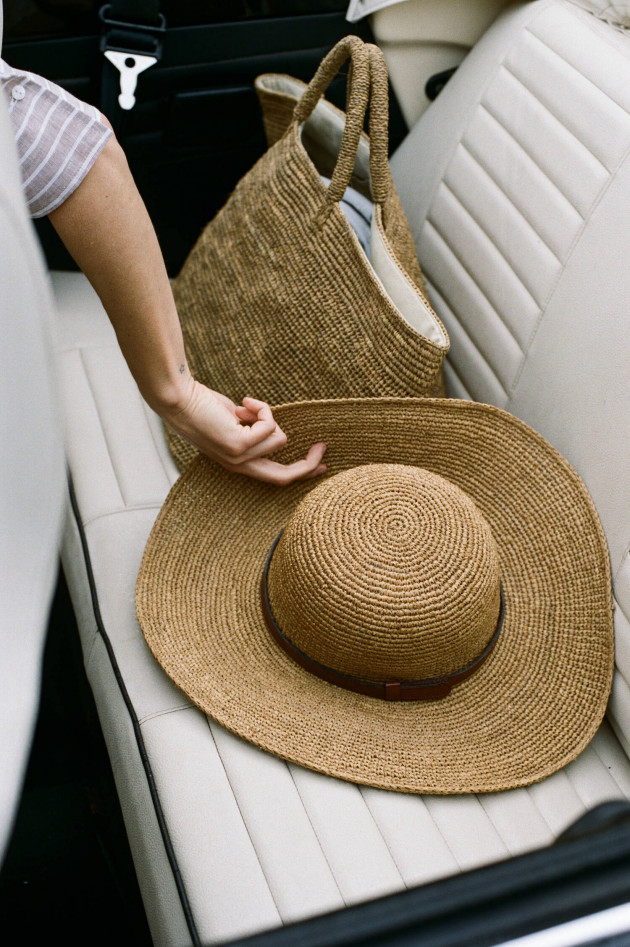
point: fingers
(240, 437)
(253, 461)
(244, 414)
(262, 425)
(259, 436)
(243, 450)
(270, 471)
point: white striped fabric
(58, 137)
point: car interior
(510, 151)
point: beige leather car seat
(32, 481)
(517, 185)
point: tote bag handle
(367, 84)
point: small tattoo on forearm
(182, 369)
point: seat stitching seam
(521, 144)
(146, 409)
(565, 776)
(543, 105)
(540, 812)
(622, 675)
(595, 204)
(100, 421)
(244, 820)
(460, 323)
(124, 509)
(164, 713)
(609, 771)
(624, 556)
(433, 291)
(577, 786)
(578, 71)
(458, 378)
(438, 293)
(461, 867)
(94, 638)
(507, 848)
(501, 254)
(444, 838)
(382, 835)
(444, 296)
(432, 222)
(316, 834)
(477, 159)
(155, 444)
(65, 348)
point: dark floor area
(68, 873)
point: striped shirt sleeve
(58, 137)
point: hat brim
(529, 709)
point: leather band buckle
(428, 689)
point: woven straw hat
(449, 574)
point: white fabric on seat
(258, 842)
(32, 479)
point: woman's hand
(105, 226)
(240, 436)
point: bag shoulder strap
(367, 85)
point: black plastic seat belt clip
(131, 48)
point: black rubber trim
(136, 11)
(436, 83)
(181, 890)
(483, 907)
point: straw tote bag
(278, 299)
(278, 95)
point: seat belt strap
(142, 12)
(131, 41)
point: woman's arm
(106, 228)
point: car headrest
(617, 13)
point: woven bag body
(278, 300)
(278, 95)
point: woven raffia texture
(278, 301)
(278, 105)
(387, 572)
(527, 711)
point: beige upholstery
(516, 185)
(520, 225)
(258, 842)
(32, 484)
(423, 38)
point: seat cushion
(227, 839)
(519, 209)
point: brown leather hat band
(428, 689)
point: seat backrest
(516, 182)
(32, 481)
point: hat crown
(387, 572)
